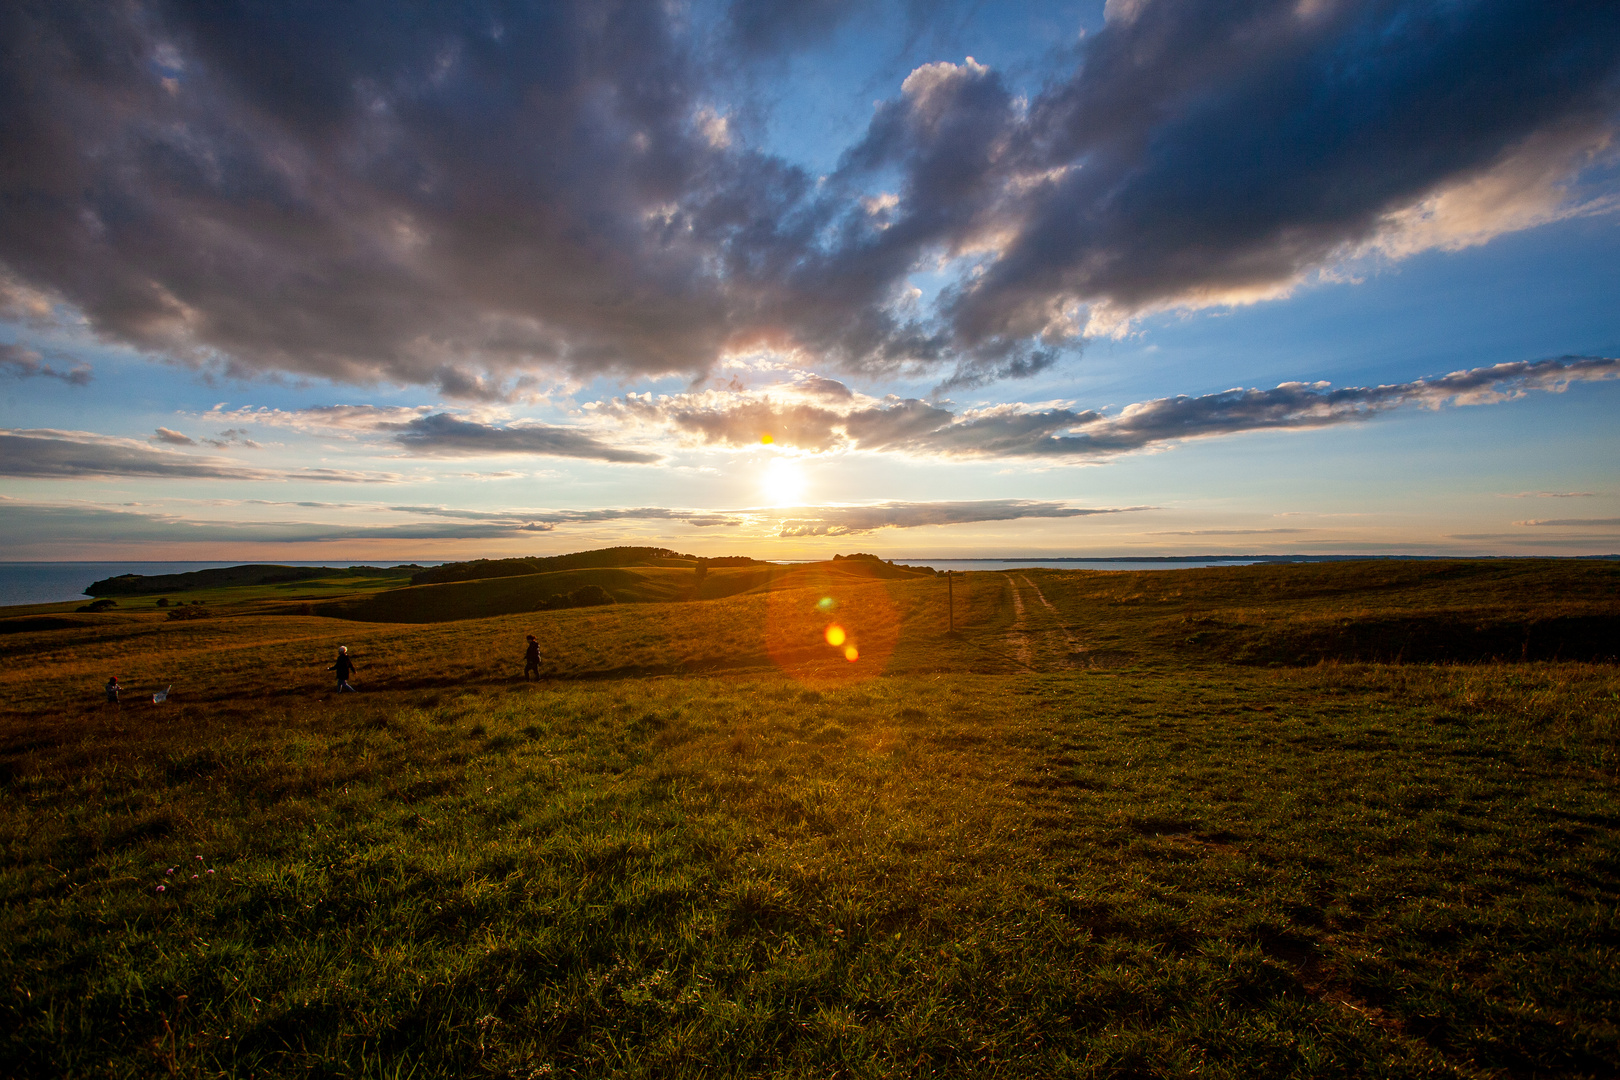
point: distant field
(1331, 820)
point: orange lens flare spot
(766, 439)
(851, 653)
(836, 636)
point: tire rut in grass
(1018, 637)
(1048, 647)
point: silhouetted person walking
(112, 691)
(531, 660)
(344, 668)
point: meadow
(1335, 820)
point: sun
(784, 482)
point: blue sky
(785, 279)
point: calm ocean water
(50, 583)
(1071, 564)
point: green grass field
(1201, 822)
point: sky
(389, 282)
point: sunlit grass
(692, 852)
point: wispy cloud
(922, 428)
(18, 362)
(324, 418)
(850, 520)
(1551, 495)
(443, 435)
(1579, 523)
(1229, 532)
(424, 432)
(831, 520)
(68, 455)
(25, 523)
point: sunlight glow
(784, 483)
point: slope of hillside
(485, 597)
(229, 577)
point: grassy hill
(1073, 839)
(485, 597)
(579, 560)
(227, 577)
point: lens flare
(825, 626)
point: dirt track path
(1042, 643)
(1018, 637)
(1069, 639)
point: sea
(1073, 564)
(54, 583)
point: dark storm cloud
(443, 435)
(21, 363)
(1224, 148)
(76, 455)
(926, 429)
(461, 194)
(442, 194)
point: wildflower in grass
(210, 871)
(198, 858)
(170, 870)
(193, 877)
(163, 888)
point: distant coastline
(1248, 559)
(38, 582)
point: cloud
(468, 200)
(232, 437)
(849, 520)
(764, 27)
(1551, 495)
(170, 437)
(1591, 523)
(25, 523)
(422, 432)
(920, 428)
(443, 435)
(1228, 532)
(787, 521)
(43, 453)
(1213, 154)
(324, 419)
(20, 363)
